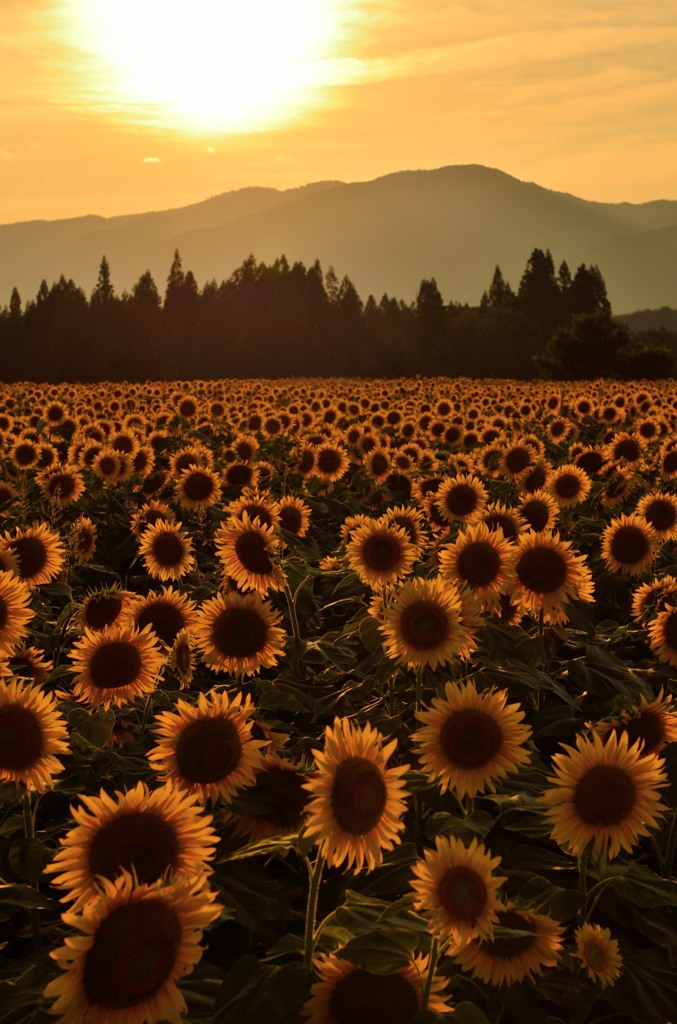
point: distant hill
(651, 319)
(455, 224)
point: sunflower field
(336, 701)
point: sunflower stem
(583, 872)
(292, 611)
(315, 877)
(670, 848)
(594, 894)
(419, 687)
(147, 709)
(427, 988)
(29, 831)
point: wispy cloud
(151, 160)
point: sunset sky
(123, 106)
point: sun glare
(209, 65)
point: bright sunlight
(209, 65)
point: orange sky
(580, 97)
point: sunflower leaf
(382, 952)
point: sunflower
(668, 461)
(31, 663)
(625, 448)
(281, 800)
(470, 740)
(628, 544)
(663, 636)
(540, 510)
(377, 463)
(654, 596)
(197, 487)
(507, 959)
(167, 551)
(247, 550)
(63, 485)
(425, 624)
(460, 498)
(133, 944)
(150, 514)
(497, 516)
(457, 890)
(166, 613)
(259, 505)
(207, 748)
(239, 633)
(480, 558)
(598, 953)
(294, 516)
(182, 658)
(32, 734)
(116, 665)
(39, 553)
(660, 512)
(604, 793)
(15, 612)
(618, 484)
(103, 608)
(356, 805)
(25, 453)
(82, 539)
(331, 462)
(547, 574)
(152, 833)
(348, 994)
(518, 458)
(411, 520)
(653, 723)
(569, 485)
(106, 465)
(380, 554)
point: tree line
(282, 319)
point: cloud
(151, 160)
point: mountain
(454, 224)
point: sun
(210, 66)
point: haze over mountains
(454, 224)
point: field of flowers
(338, 702)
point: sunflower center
(102, 611)
(108, 464)
(239, 633)
(629, 544)
(64, 483)
(167, 549)
(290, 518)
(670, 462)
(141, 840)
(20, 738)
(567, 485)
(208, 750)
(379, 464)
(461, 499)
(133, 953)
(381, 553)
(365, 998)
(517, 459)
(505, 523)
(115, 664)
(595, 956)
(590, 462)
(604, 796)
(661, 514)
(25, 454)
(423, 625)
(470, 738)
(164, 618)
(508, 947)
(648, 727)
(536, 514)
(462, 893)
(479, 563)
(627, 449)
(541, 570)
(358, 795)
(32, 556)
(198, 486)
(251, 550)
(329, 461)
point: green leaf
(370, 635)
(381, 952)
(262, 994)
(96, 727)
(644, 888)
(26, 897)
(28, 857)
(468, 1013)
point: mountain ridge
(454, 223)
